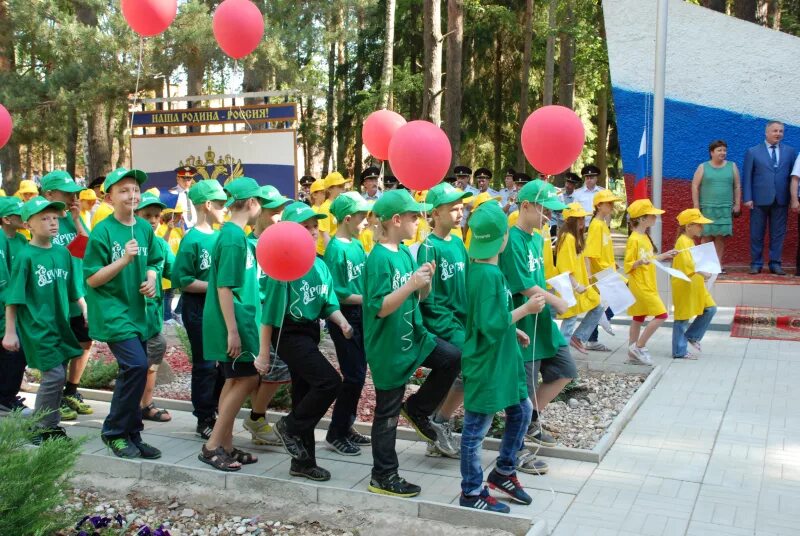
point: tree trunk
(330, 108)
(716, 5)
(525, 75)
(775, 14)
(497, 112)
(432, 44)
(9, 155)
(72, 139)
(343, 113)
(566, 61)
(745, 9)
(360, 76)
(388, 57)
(550, 53)
(452, 95)
(601, 144)
(195, 73)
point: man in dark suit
(765, 185)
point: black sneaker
(121, 447)
(343, 446)
(483, 501)
(50, 433)
(357, 438)
(421, 424)
(148, 452)
(394, 486)
(315, 472)
(510, 486)
(204, 428)
(536, 434)
(293, 444)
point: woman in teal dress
(717, 192)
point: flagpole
(658, 111)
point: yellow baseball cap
(335, 179)
(87, 195)
(692, 215)
(481, 198)
(643, 207)
(574, 210)
(27, 186)
(604, 196)
(317, 186)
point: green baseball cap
(122, 173)
(150, 199)
(272, 197)
(444, 193)
(299, 212)
(397, 202)
(207, 190)
(349, 203)
(243, 188)
(542, 193)
(37, 205)
(10, 206)
(489, 226)
(61, 181)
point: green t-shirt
(309, 298)
(15, 245)
(396, 344)
(5, 277)
(193, 259)
(346, 261)
(252, 242)
(444, 310)
(233, 265)
(66, 234)
(494, 374)
(117, 310)
(155, 306)
(43, 284)
(522, 262)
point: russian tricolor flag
(640, 184)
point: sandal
(244, 458)
(219, 459)
(158, 416)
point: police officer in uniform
(369, 182)
(304, 195)
(185, 178)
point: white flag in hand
(562, 284)
(615, 293)
(705, 258)
(605, 273)
(670, 270)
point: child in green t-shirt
(149, 209)
(261, 432)
(230, 329)
(345, 258)
(43, 283)
(190, 276)
(295, 308)
(494, 375)
(121, 267)
(396, 342)
(444, 311)
(11, 212)
(522, 263)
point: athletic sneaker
(204, 428)
(18, 404)
(637, 355)
(67, 413)
(432, 452)
(421, 424)
(394, 486)
(527, 462)
(647, 355)
(689, 356)
(315, 473)
(596, 346)
(605, 323)
(261, 433)
(146, 451)
(293, 444)
(445, 441)
(75, 402)
(536, 434)
(578, 345)
(509, 484)
(357, 438)
(343, 446)
(483, 501)
(121, 447)
(697, 347)
(51, 433)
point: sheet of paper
(615, 293)
(670, 270)
(705, 258)
(710, 282)
(604, 273)
(563, 286)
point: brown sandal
(244, 458)
(219, 459)
(149, 415)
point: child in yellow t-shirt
(639, 254)
(690, 298)
(171, 230)
(335, 184)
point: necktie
(774, 155)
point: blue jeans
(167, 304)
(775, 217)
(594, 335)
(681, 335)
(518, 417)
(587, 325)
(125, 415)
(207, 377)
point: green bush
(33, 481)
(99, 374)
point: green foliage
(180, 331)
(32, 480)
(283, 398)
(99, 374)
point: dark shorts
(156, 348)
(558, 367)
(278, 370)
(238, 369)
(79, 328)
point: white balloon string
(136, 91)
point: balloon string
(138, 76)
(239, 106)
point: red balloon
(552, 139)
(238, 27)
(6, 126)
(379, 127)
(419, 154)
(149, 17)
(286, 251)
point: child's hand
(262, 363)
(670, 254)
(131, 250)
(706, 275)
(535, 304)
(148, 288)
(11, 342)
(580, 289)
(422, 277)
(234, 344)
(523, 339)
(347, 329)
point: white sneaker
(445, 442)
(432, 452)
(261, 432)
(648, 359)
(696, 346)
(605, 323)
(638, 355)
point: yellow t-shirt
(547, 252)
(104, 210)
(327, 225)
(642, 282)
(174, 242)
(86, 217)
(512, 218)
(690, 298)
(366, 237)
(599, 247)
(568, 260)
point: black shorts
(79, 328)
(238, 369)
(558, 367)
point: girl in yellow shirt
(569, 259)
(639, 254)
(690, 298)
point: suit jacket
(761, 182)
